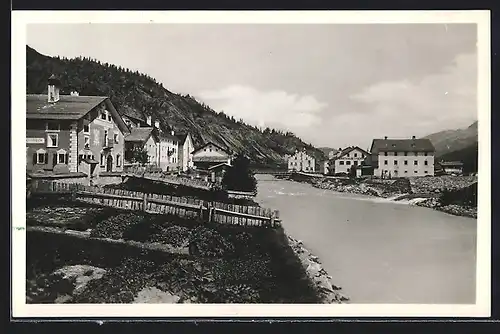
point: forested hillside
(134, 91)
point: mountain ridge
(137, 92)
(451, 140)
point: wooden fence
(214, 212)
(160, 176)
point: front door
(109, 163)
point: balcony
(108, 143)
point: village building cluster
(86, 134)
(386, 158)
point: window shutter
(54, 159)
(34, 159)
(66, 158)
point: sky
(333, 85)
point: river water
(379, 251)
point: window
(396, 154)
(53, 126)
(406, 153)
(385, 162)
(41, 157)
(118, 160)
(105, 137)
(86, 128)
(415, 172)
(406, 162)
(355, 155)
(86, 142)
(425, 153)
(395, 162)
(52, 140)
(406, 172)
(385, 153)
(355, 163)
(426, 162)
(426, 172)
(80, 158)
(341, 162)
(62, 157)
(102, 159)
(109, 116)
(347, 162)
(415, 163)
(115, 136)
(103, 114)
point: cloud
(265, 108)
(446, 99)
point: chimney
(385, 137)
(412, 137)
(53, 88)
(148, 120)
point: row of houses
(74, 134)
(387, 158)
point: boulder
(155, 296)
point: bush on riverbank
(465, 197)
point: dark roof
(132, 113)
(68, 107)
(401, 145)
(167, 135)
(350, 149)
(182, 137)
(139, 134)
(211, 143)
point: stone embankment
(327, 291)
(437, 184)
(378, 188)
(453, 209)
(421, 191)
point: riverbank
(89, 254)
(423, 191)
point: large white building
(345, 159)
(402, 157)
(302, 162)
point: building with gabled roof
(186, 147)
(72, 133)
(301, 161)
(142, 138)
(345, 159)
(402, 157)
(210, 154)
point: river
(379, 251)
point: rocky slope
(134, 92)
